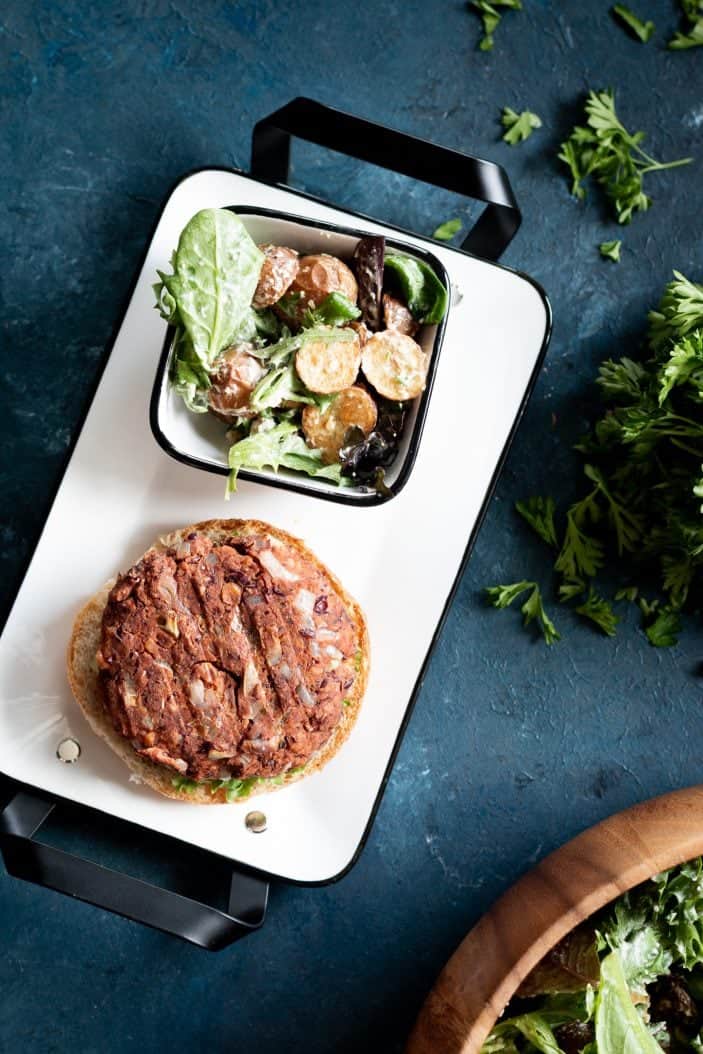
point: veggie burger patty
(227, 658)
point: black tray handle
(418, 158)
(130, 897)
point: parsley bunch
(644, 463)
(605, 150)
(693, 17)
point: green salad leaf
(215, 273)
(184, 783)
(282, 351)
(234, 789)
(188, 376)
(335, 310)
(680, 911)
(422, 290)
(537, 1026)
(619, 1027)
(631, 929)
(276, 447)
(281, 384)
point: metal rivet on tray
(255, 822)
(68, 751)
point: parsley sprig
(692, 11)
(642, 30)
(532, 609)
(643, 459)
(519, 126)
(604, 149)
(489, 10)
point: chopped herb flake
(519, 126)
(446, 231)
(611, 250)
(605, 150)
(642, 30)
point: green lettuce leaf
(424, 294)
(335, 310)
(680, 911)
(282, 351)
(537, 1026)
(280, 446)
(216, 269)
(619, 1027)
(279, 385)
(188, 376)
(631, 929)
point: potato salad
(310, 361)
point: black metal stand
(418, 158)
(27, 858)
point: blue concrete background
(513, 748)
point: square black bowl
(198, 440)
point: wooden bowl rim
(531, 917)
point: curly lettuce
(279, 447)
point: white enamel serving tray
(399, 559)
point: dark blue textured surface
(513, 748)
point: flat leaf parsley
(532, 609)
(642, 30)
(610, 250)
(604, 149)
(519, 126)
(692, 11)
(490, 16)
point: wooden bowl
(564, 889)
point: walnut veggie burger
(228, 661)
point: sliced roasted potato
(397, 316)
(327, 366)
(394, 365)
(277, 273)
(320, 275)
(232, 385)
(327, 430)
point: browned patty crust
(226, 659)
